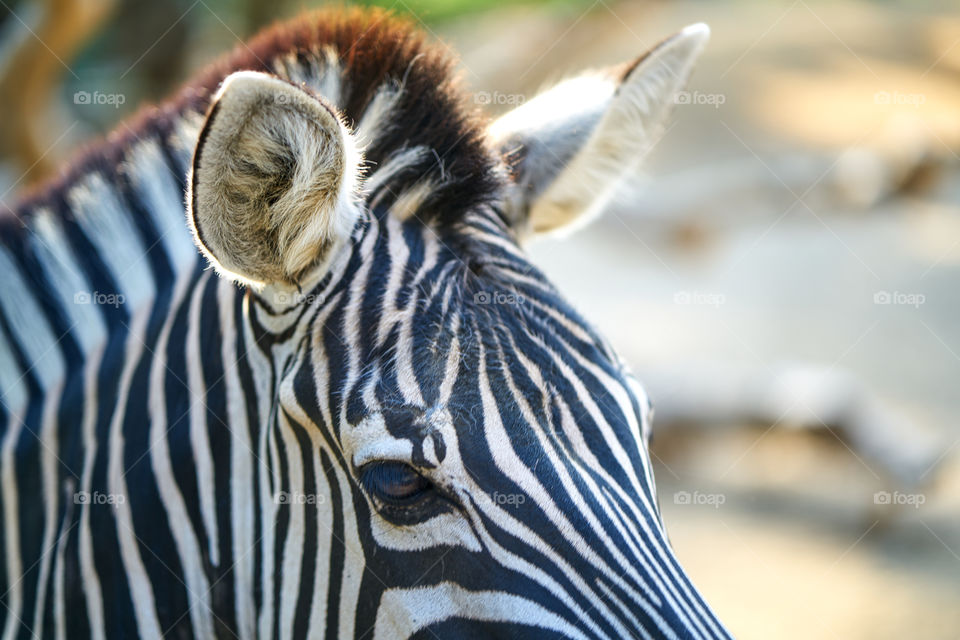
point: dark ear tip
(691, 39)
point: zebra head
(445, 448)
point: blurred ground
(811, 171)
(822, 176)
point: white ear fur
(577, 141)
(273, 181)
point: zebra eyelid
(390, 451)
(376, 477)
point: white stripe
(475, 499)
(376, 120)
(610, 595)
(407, 203)
(655, 543)
(506, 459)
(49, 462)
(183, 140)
(403, 612)
(13, 389)
(354, 561)
(11, 524)
(392, 166)
(269, 470)
(260, 368)
(70, 287)
(88, 570)
(59, 590)
(406, 378)
(39, 346)
(350, 325)
(399, 257)
(321, 489)
(199, 436)
(185, 539)
(329, 84)
(29, 326)
(154, 183)
(293, 544)
(581, 506)
(241, 468)
(452, 367)
(63, 275)
(110, 229)
(141, 591)
(324, 540)
(650, 543)
(639, 548)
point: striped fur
(182, 458)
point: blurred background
(782, 276)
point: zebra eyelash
(427, 503)
(385, 480)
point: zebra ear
(571, 147)
(272, 182)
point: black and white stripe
(182, 457)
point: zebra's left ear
(273, 181)
(570, 147)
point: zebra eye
(393, 483)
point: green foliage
(439, 10)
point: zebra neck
(90, 257)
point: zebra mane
(424, 146)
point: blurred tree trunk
(46, 42)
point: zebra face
(497, 448)
(462, 455)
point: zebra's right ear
(570, 147)
(272, 184)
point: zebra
(372, 417)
